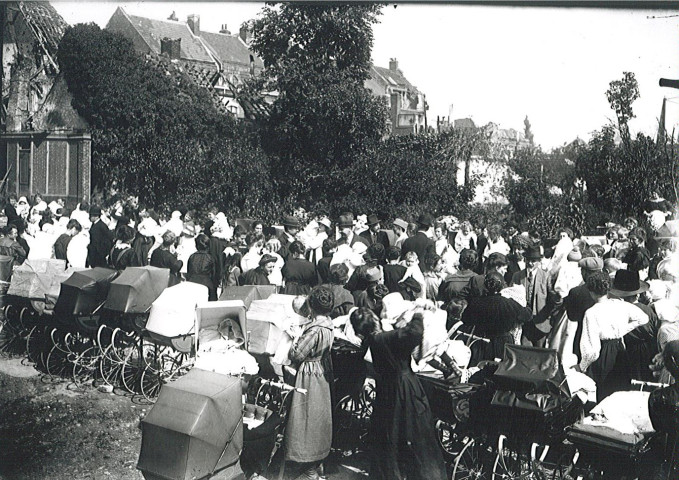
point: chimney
(245, 34)
(194, 24)
(225, 30)
(393, 64)
(171, 48)
(173, 17)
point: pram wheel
(510, 463)
(449, 439)
(470, 462)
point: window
(24, 165)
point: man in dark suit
(578, 302)
(291, 227)
(420, 243)
(393, 271)
(373, 234)
(539, 299)
(451, 288)
(101, 240)
(346, 228)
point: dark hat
(345, 221)
(372, 220)
(425, 220)
(627, 283)
(532, 253)
(95, 211)
(290, 221)
(412, 285)
(591, 264)
(266, 258)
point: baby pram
(264, 417)
(167, 342)
(615, 437)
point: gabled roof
(152, 31)
(393, 77)
(230, 49)
(464, 123)
(46, 23)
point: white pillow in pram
(624, 412)
(232, 361)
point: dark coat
(641, 345)
(201, 269)
(121, 258)
(343, 301)
(285, 240)
(454, 284)
(420, 244)
(216, 249)
(256, 276)
(142, 246)
(101, 242)
(493, 317)
(663, 409)
(323, 269)
(379, 237)
(475, 288)
(402, 426)
(163, 258)
(300, 276)
(577, 303)
(11, 213)
(61, 246)
(392, 275)
(542, 302)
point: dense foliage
(317, 58)
(155, 133)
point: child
(412, 264)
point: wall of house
(55, 165)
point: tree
(527, 130)
(155, 133)
(621, 94)
(317, 57)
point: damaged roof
(46, 23)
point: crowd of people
(609, 305)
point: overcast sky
(496, 63)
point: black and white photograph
(339, 240)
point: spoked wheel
(57, 364)
(11, 340)
(37, 347)
(132, 369)
(470, 463)
(449, 438)
(164, 368)
(110, 371)
(348, 420)
(510, 463)
(86, 367)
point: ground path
(49, 431)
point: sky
(496, 63)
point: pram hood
(136, 289)
(248, 293)
(194, 428)
(84, 291)
(173, 313)
(33, 278)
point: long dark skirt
(610, 371)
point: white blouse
(609, 319)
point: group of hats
(626, 282)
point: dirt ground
(49, 431)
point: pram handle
(454, 330)
(284, 386)
(642, 384)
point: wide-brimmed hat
(627, 283)
(266, 258)
(325, 221)
(532, 253)
(345, 221)
(425, 220)
(591, 264)
(372, 220)
(574, 255)
(401, 223)
(290, 221)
